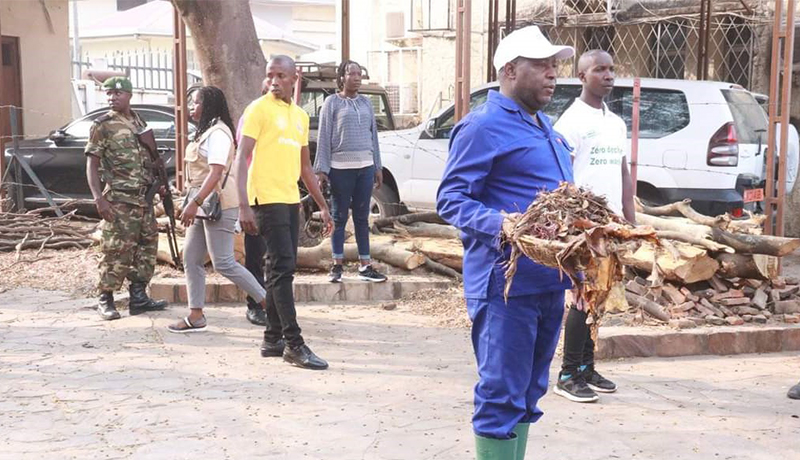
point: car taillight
(723, 148)
(737, 212)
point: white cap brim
(559, 52)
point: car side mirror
(57, 136)
(430, 129)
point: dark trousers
(578, 343)
(514, 343)
(279, 224)
(351, 189)
(255, 248)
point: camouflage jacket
(125, 166)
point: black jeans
(578, 343)
(279, 224)
(255, 248)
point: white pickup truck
(702, 140)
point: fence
(146, 70)
(653, 44)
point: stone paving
(72, 386)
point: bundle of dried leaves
(573, 230)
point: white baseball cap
(528, 42)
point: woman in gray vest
(208, 177)
(349, 159)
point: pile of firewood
(718, 301)
(32, 230)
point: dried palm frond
(573, 230)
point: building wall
(314, 23)
(44, 62)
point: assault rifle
(161, 183)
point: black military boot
(140, 302)
(106, 306)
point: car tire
(386, 202)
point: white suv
(697, 139)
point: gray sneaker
(370, 274)
(575, 389)
(335, 275)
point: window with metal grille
(668, 47)
(599, 38)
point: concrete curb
(174, 290)
(626, 342)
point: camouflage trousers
(129, 246)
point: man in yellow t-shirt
(275, 140)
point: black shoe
(336, 273)
(575, 389)
(302, 356)
(257, 316)
(270, 349)
(370, 274)
(597, 382)
(106, 306)
(140, 302)
(794, 392)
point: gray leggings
(215, 238)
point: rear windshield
(748, 116)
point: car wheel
(385, 202)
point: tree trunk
(756, 244)
(227, 47)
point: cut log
(690, 230)
(673, 294)
(691, 265)
(702, 242)
(718, 284)
(319, 257)
(760, 299)
(424, 229)
(756, 244)
(787, 306)
(440, 269)
(405, 219)
(651, 308)
(752, 225)
(747, 266)
(448, 252)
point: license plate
(756, 194)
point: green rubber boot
(521, 430)
(495, 449)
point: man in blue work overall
(501, 155)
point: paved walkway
(72, 386)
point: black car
(60, 163)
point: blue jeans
(351, 189)
(514, 344)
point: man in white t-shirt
(599, 139)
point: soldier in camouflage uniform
(130, 233)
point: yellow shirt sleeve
(253, 121)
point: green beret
(118, 83)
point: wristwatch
(198, 201)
